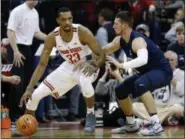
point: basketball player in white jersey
(74, 42)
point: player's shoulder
(51, 35)
(82, 28)
(83, 31)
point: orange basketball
(27, 125)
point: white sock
(90, 110)
(130, 119)
(155, 118)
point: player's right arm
(38, 73)
(112, 46)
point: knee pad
(121, 92)
(86, 87)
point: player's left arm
(86, 37)
(139, 46)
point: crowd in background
(163, 21)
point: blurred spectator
(143, 29)
(4, 44)
(105, 33)
(170, 111)
(107, 83)
(179, 21)
(23, 25)
(169, 4)
(179, 46)
(177, 83)
(174, 4)
(6, 83)
(6, 79)
(139, 9)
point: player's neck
(66, 36)
(126, 35)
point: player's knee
(121, 93)
(86, 87)
(140, 87)
(87, 91)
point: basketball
(27, 125)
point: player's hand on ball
(27, 95)
(113, 61)
(89, 68)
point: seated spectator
(107, 87)
(179, 46)
(170, 112)
(6, 79)
(179, 19)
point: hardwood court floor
(75, 130)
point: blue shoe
(90, 123)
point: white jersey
(72, 51)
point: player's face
(119, 27)
(65, 21)
(180, 37)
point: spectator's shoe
(129, 128)
(155, 128)
(172, 121)
(43, 120)
(118, 130)
(71, 117)
(90, 123)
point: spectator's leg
(172, 110)
(16, 91)
(74, 100)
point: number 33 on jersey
(72, 51)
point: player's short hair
(107, 14)
(180, 29)
(62, 10)
(125, 16)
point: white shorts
(64, 78)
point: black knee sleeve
(121, 93)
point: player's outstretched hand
(89, 67)
(25, 98)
